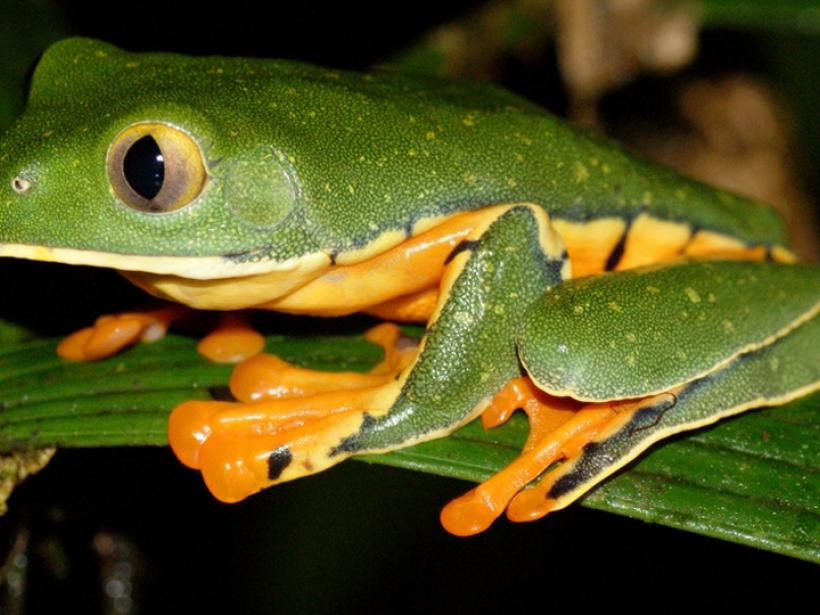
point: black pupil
(144, 167)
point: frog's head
(136, 162)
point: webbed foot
(290, 421)
(560, 429)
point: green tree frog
(613, 301)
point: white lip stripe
(190, 267)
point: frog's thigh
(774, 375)
(644, 331)
(467, 355)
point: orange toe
(233, 341)
(230, 468)
(189, 428)
(468, 514)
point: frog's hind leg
(781, 374)
(468, 350)
(594, 440)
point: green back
(363, 154)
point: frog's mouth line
(189, 267)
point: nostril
(20, 185)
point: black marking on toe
(769, 255)
(221, 392)
(277, 462)
(467, 244)
(333, 255)
(618, 251)
(408, 230)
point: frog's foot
(560, 429)
(232, 341)
(290, 421)
(266, 376)
(111, 333)
(241, 448)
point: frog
(614, 301)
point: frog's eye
(155, 168)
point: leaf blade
(753, 480)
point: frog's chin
(194, 268)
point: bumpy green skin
(365, 153)
(647, 330)
(469, 352)
(771, 376)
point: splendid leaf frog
(613, 301)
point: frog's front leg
(232, 340)
(467, 355)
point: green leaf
(753, 480)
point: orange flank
(593, 245)
(234, 340)
(411, 271)
(415, 307)
(708, 244)
(590, 243)
(561, 429)
(651, 240)
(111, 333)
